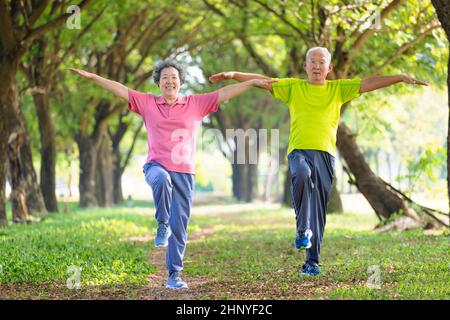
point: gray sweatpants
(312, 177)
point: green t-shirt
(314, 110)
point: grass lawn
(243, 253)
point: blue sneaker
(174, 281)
(303, 242)
(310, 270)
(162, 235)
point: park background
(78, 215)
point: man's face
(169, 82)
(317, 67)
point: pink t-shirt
(172, 129)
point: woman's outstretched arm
(114, 87)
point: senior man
(314, 106)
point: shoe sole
(307, 247)
(176, 288)
(163, 245)
(309, 274)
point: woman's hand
(83, 73)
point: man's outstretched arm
(238, 76)
(114, 87)
(234, 90)
(374, 83)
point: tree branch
(427, 211)
(285, 21)
(214, 9)
(7, 38)
(403, 48)
(38, 9)
(130, 151)
(33, 34)
(364, 37)
(268, 70)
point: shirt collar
(180, 100)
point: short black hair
(167, 64)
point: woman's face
(169, 82)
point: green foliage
(427, 167)
(95, 240)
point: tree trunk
(239, 181)
(383, 201)
(89, 146)
(12, 119)
(104, 172)
(88, 160)
(3, 166)
(245, 175)
(40, 77)
(252, 179)
(335, 202)
(244, 178)
(48, 151)
(18, 198)
(117, 178)
(34, 198)
(119, 165)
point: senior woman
(172, 121)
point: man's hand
(265, 84)
(83, 73)
(221, 76)
(376, 82)
(410, 80)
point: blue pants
(312, 178)
(172, 194)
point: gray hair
(321, 49)
(168, 64)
